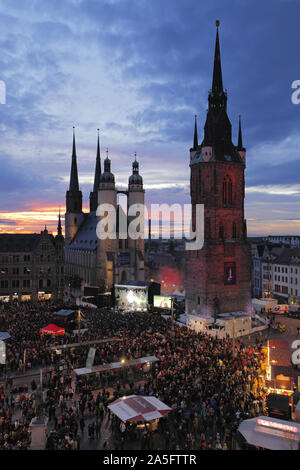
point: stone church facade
(89, 261)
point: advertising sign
(90, 359)
(2, 352)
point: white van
(281, 309)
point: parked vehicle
(281, 309)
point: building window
(221, 230)
(234, 230)
(227, 190)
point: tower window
(234, 230)
(227, 190)
(221, 230)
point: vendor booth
(52, 330)
(135, 408)
(269, 433)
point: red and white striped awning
(139, 408)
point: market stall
(135, 408)
(270, 433)
(52, 330)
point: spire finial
(217, 84)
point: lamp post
(123, 367)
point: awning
(271, 433)
(4, 335)
(64, 313)
(117, 365)
(139, 408)
(52, 330)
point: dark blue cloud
(140, 70)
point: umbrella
(139, 408)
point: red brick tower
(218, 277)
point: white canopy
(139, 408)
(271, 433)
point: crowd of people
(209, 385)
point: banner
(90, 359)
(2, 352)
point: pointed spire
(98, 167)
(195, 134)
(74, 185)
(240, 140)
(59, 229)
(217, 82)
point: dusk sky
(140, 70)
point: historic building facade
(218, 277)
(32, 266)
(95, 262)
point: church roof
(86, 237)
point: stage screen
(131, 298)
(161, 301)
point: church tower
(107, 248)
(136, 195)
(74, 215)
(218, 276)
(94, 193)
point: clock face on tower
(229, 273)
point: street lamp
(123, 367)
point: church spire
(195, 134)
(98, 167)
(59, 229)
(240, 140)
(217, 82)
(74, 185)
(94, 193)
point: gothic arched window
(227, 190)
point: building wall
(28, 273)
(206, 290)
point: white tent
(271, 433)
(139, 408)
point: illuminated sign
(274, 424)
(161, 301)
